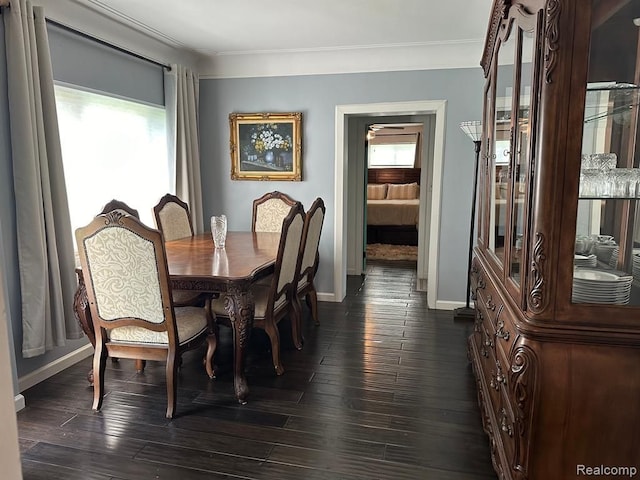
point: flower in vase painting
(267, 137)
(267, 145)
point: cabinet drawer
(506, 428)
(497, 330)
(505, 332)
(487, 302)
(498, 383)
(497, 419)
(484, 346)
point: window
(392, 155)
(112, 148)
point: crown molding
(376, 58)
(121, 17)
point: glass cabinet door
(521, 156)
(607, 244)
(486, 154)
(501, 158)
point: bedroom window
(400, 155)
(111, 148)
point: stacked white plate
(613, 260)
(636, 266)
(601, 286)
(604, 251)
(586, 260)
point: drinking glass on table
(219, 230)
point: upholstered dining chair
(308, 262)
(173, 219)
(269, 211)
(274, 301)
(125, 272)
(124, 208)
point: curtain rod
(6, 3)
(102, 42)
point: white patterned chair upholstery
(173, 219)
(125, 209)
(274, 301)
(308, 262)
(269, 211)
(127, 281)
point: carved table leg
(240, 307)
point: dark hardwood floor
(381, 390)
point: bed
(393, 206)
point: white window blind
(111, 148)
(392, 155)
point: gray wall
(317, 97)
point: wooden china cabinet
(556, 270)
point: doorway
(349, 191)
(395, 150)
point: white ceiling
(233, 31)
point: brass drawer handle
(477, 325)
(490, 305)
(499, 378)
(505, 426)
(487, 342)
(501, 332)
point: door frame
(430, 198)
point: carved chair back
(120, 205)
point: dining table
(195, 264)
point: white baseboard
(326, 297)
(440, 304)
(18, 401)
(49, 370)
(449, 305)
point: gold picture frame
(266, 146)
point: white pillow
(376, 191)
(402, 191)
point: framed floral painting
(266, 146)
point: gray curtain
(181, 94)
(45, 245)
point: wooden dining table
(195, 264)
